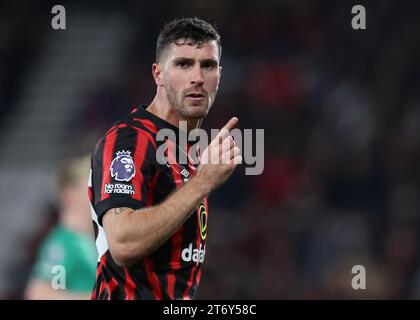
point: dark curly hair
(191, 31)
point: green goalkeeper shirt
(73, 252)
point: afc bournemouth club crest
(122, 167)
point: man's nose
(197, 76)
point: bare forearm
(139, 232)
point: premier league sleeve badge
(122, 167)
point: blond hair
(72, 172)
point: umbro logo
(185, 173)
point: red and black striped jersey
(125, 173)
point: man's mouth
(196, 96)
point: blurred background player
(70, 243)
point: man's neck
(162, 109)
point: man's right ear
(157, 74)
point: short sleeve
(122, 168)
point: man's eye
(208, 66)
(183, 65)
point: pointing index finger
(228, 126)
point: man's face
(191, 76)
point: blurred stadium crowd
(341, 113)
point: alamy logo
(252, 152)
(359, 280)
(58, 281)
(122, 167)
(359, 20)
(58, 22)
